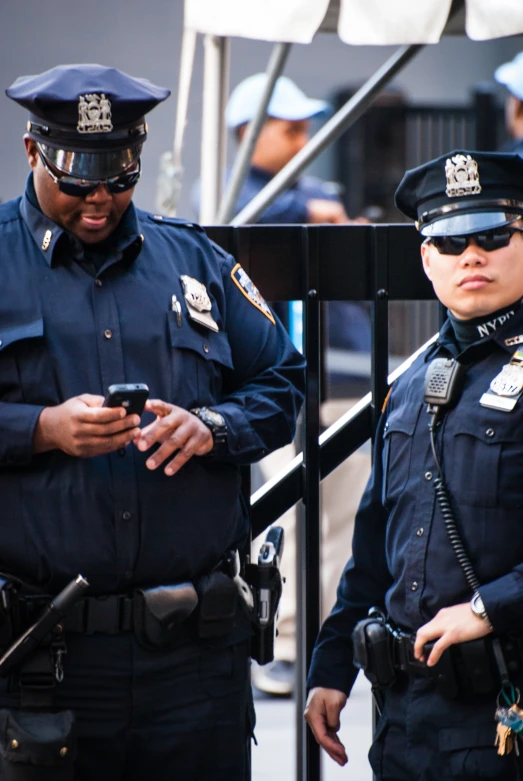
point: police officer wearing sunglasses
(154, 661)
(430, 606)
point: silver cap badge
(94, 114)
(462, 176)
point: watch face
(214, 417)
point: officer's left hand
(178, 431)
(451, 625)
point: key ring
(515, 696)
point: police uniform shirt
(68, 328)
(402, 557)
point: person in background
(510, 75)
(314, 201)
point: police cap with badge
(87, 120)
(463, 192)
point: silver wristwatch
(478, 608)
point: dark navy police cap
(88, 120)
(463, 192)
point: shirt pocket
(24, 363)
(398, 438)
(472, 458)
(197, 361)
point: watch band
(216, 424)
(478, 608)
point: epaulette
(219, 250)
(174, 221)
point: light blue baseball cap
(511, 75)
(287, 101)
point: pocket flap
(37, 738)
(209, 345)
(403, 419)
(459, 737)
(19, 332)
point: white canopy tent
(408, 23)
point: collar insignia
(462, 176)
(94, 114)
(513, 340)
(47, 240)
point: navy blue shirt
(402, 558)
(71, 325)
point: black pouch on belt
(158, 613)
(218, 595)
(37, 746)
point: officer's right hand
(322, 714)
(82, 427)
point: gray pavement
(274, 757)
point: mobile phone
(132, 396)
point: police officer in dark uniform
(94, 293)
(438, 547)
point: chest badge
(242, 280)
(506, 388)
(198, 302)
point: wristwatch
(216, 425)
(478, 608)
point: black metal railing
(373, 263)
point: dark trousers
(184, 714)
(423, 737)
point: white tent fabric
(361, 22)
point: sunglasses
(79, 188)
(489, 240)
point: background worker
(309, 200)
(510, 75)
(430, 549)
(96, 292)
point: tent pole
(215, 91)
(336, 125)
(275, 66)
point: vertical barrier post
(308, 531)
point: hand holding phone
(131, 396)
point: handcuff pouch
(159, 611)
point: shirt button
(121, 452)
(428, 475)
(490, 432)
(206, 348)
(420, 532)
(414, 586)
(126, 515)
(98, 282)
(108, 333)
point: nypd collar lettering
(484, 329)
(251, 292)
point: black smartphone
(132, 396)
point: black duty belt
(110, 614)
(467, 667)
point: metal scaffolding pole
(275, 66)
(213, 150)
(343, 119)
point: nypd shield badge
(250, 291)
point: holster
(158, 612)
(373, 651)
(37, 746)
(264, 580)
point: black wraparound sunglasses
(489, 240)
(79, 188)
